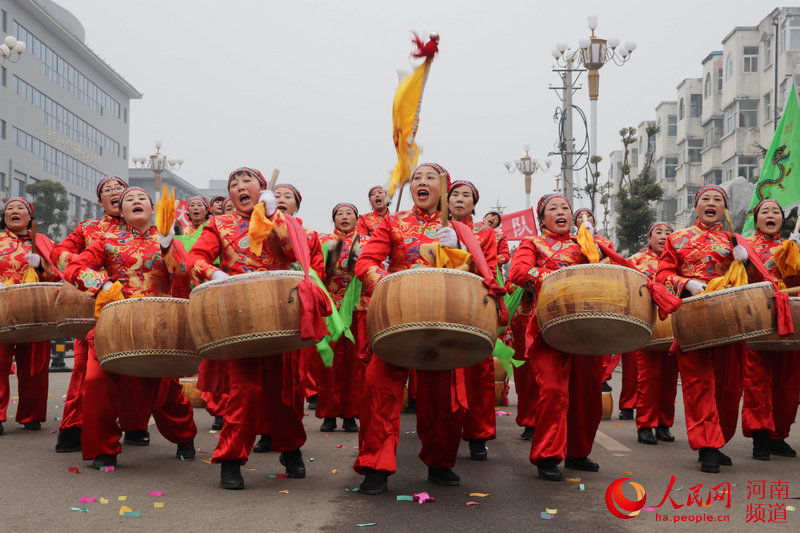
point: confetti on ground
(628, 473)
(705, 505)
(284, 492)
(573, 479)
(618, 424)
(310, 459)
(405, 498)
(367, 524)
(57, 419)
(423, 497)
(545, 516)
(352, 490)
(212, 431)
(123, 510)
(581, 486)
(131, 514)
(479, 494)
(107, 469)
(122, 498)
(87, 499)
(340, 446)
(158, 505)
(104, 500)
(51, 431)
(649, 509)
(81, 509)
(550, 511)
(473, 503)
(282, 476)
(355, 447)
(679, 488)
(790, 508)
(502, 413)
(73, 469)
(334, 471)
(207, 461)
(156, 493)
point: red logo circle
(619, 505)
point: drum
(432, 319)
(27, 312)
(74, 312)
(595, 309)
(146, 337)
(192, 393)
(773, 343)
(500, 383)
(662, 335)
(726, 316)
(607, 406)
(247, 315)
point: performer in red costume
(657, 372)
(226, 237)
(340, 386)
(711, 378)
(440, 413)
(493, 219)
(569, 404)
(217, 205)
(198, 212)
(524, 375)
(380, 210)
(33, 358)
(227, 206)
(144, 263)
(479, 420)
(771, 379)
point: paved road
(37, 491)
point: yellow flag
(588, 247)
(736, 276)
(788, 259)
(452, 258)
(404, 114)
(165, 211)
(260, 228)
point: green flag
(780, 177)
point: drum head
(432, 349)
(253, 345)
(596, 336)
(151, 364)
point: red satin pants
(771, 391)
(33, 361)
(657, 386)
(524, 376)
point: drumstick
(274, 179)
(33, 237)
(730, 226)
(791, 290)
(443, 214)
(797, 224)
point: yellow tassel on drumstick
(165, 211)
(736, 276)
(586, 242)
(788, 256)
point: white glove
(270, 203)
(219, 274)
(447, 237)
(107, 285)
(740, 253)
(34, 260)
(588, 225)
(795, 237)
(695, 287)
(165, 241)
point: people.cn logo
(619, 505)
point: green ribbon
(504, 353)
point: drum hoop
(250, 336)
(76, 321)
(728, 340)
(21, 327)
(661, 340)
(150, 299)
(134, 353)
(594, 266)
(426, 270)
(612, 316)
(431, 325)
(30, 285)
(779, 342)
(247, 275)
(750, 286)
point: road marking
(609, 444)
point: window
(670, 163)
(3, 75)
(790, 34)
(750, 59)
(2, 129)
(747, 167)
(651, 144)
(693, 149)
(707, 86)
(680, 110)
(767, 106)
(768, 52)
(729, 67)
(712, 133)
(714, 177)
(719, 75)
(2, 181)
(672, 125)
(741, 114)
(4, 20)
(695, 105)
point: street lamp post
(9, 46)
(157, 162)
(527, 166)
(593, 53)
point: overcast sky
(307, 86)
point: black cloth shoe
(328, 425)
(33, 426)
(626, 414)
(217, 423)
(443, 476)
(1, 428)
(527, 433)
(663, 433)
(102, 461)
(186, 451)
(69, 440)
(374, 482)
(477, 450)
(231, 475)
(312, 403)
(724, 460)
(581, 463)
(140, 437)
(549, 471)
(349, 425)
(264, 444)
(776, 447)
(411, 406)
(709, 460)
(646, 436)
(761, 445)
(606, 387)
(293, 461)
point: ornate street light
(157, 162)
(10, 46)
(527, 166)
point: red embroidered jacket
(225, 237)
(503, 254)
(401, 237)
(189, 229)
(336, 282)
(540, 255)
(646, 262)
(135, 260)
(13, 264)
(83, 236)
(766, 247)
(367, 223)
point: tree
(592, 186)
(635, 195)
(50, 205)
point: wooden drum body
(146, 337)
(432, 319)
(663, 337)
(595, 309)
(27, 312)
(774, 343)
(726, 316)
(247, 315)
(74, 312)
